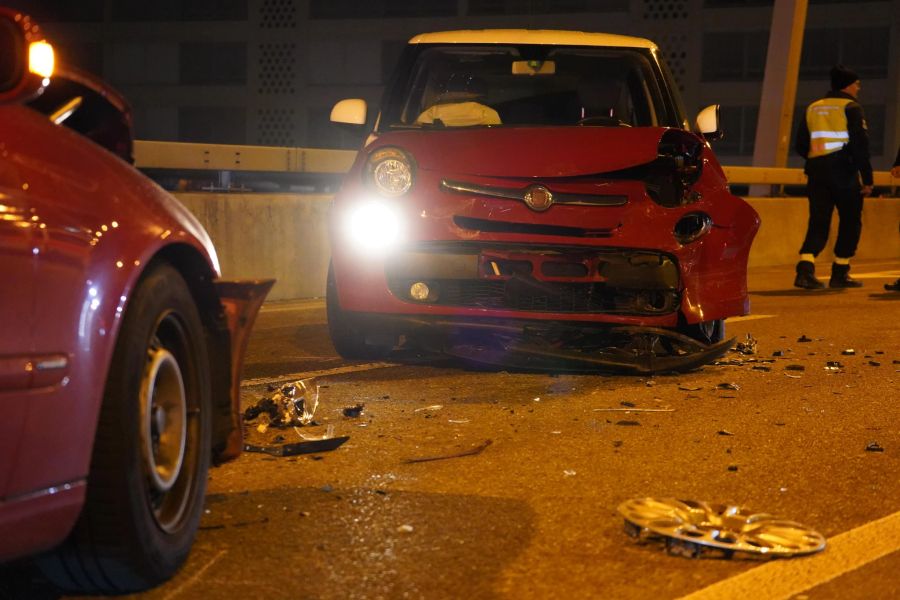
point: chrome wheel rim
(163, 419)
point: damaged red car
(537, 198)
(120, 346)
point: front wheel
(152, 450)
(348, 339)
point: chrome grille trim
(462, 187)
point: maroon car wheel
(152, 450)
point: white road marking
(878, 275)
(749, 318)
(295, 306)
(308, 374)
(195, 577)
(787, 578)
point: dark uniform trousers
(833, 183)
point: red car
(121, 349)
(535, 198)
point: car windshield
(466, 86)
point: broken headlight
(389, 172)
(677, 168)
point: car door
(17, 268)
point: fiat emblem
(538, 198)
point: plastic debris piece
(405, 529)
(433, 407)
(778, 353)
(874, 447)
(761, 368)
(476, 450)
(724, 432)
(293, 449)
(732, 468)
(569, 473)
(689, 388)
(794, 368)
(628, 423)
(803, 339)
(728, 386)
(693, 529)
(354, 411)
(874, 363)
(292, 405)
(627, 403)
(833, 365)
(630, 410)
(458, 421)
(748, 346)
(329, 433)
(849, 352)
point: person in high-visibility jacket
(833, 139)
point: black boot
(840, 277)
(806, 276)
(893, 287)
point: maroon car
(120, 347)
(535, 198)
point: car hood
(539, 152)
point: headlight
(374, 227)
(389, 171)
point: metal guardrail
(223, 157)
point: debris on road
(405, 529)
(634, 410)
(833, 365)
(803, 339)
(748, 346)
(628, 423)
(849, 352)
(569, 473)
(353, 411)
(689, 388)
(874, 447)
(794, 368)
(433, 407)
(692, 529)
(292, 405)
(728, 386)
(724, 432)
(296, 448)
(474, 451)
(761, 368)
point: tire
(152, 449)
(348, 340)
(708, 332)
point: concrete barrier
(285, 235)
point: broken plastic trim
(623, 349)
(691, 528)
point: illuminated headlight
(374, 227)
(389, 171)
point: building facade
(267, 72)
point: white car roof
(531, 36)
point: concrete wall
(285, 235)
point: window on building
(179, 10)
(734, 55)
(212, 63)
(739, 125)
(354, 9)
(539, 7)
(864, 50)
(212, 125)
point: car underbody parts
(623, 349)
(693, 529)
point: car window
(461, 86)
(87, 111)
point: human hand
(895, 172)
(867, 190)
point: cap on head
(841, 77)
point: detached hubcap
(163, 419)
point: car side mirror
(708, 123)
(351, 111)
(26, 60)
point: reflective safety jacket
(834, 140)
(826, 120)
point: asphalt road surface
(530, 510)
